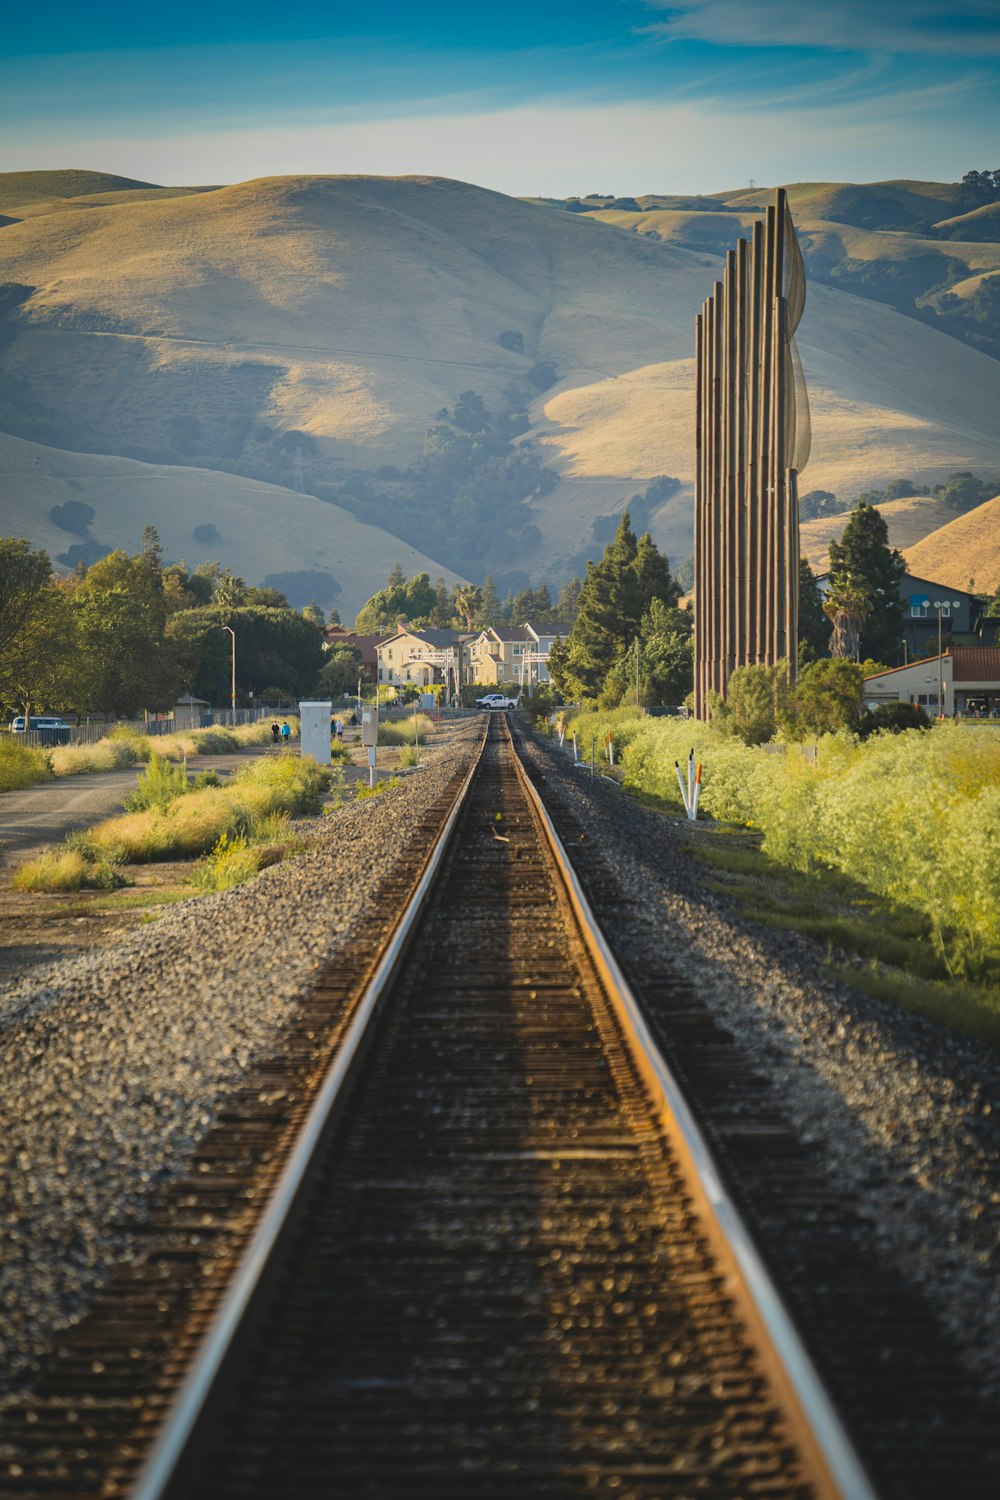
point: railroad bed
(497, 1281)
(498, 1285)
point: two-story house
(495, 653)
(424, 657)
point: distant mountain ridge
(311, 331)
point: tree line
(130, 632)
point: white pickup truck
(498, 700)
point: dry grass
(340, 285)
(967, 547)
(908, 522)
(53, 870)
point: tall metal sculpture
(752, 442)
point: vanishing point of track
(500, 1274)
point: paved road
(45, 814)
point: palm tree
(467, 601)
(848, 605)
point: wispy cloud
(969, 28)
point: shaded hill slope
(324, 322)
(260, 529)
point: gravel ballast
(112, 1066)
(905, 1113)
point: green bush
(232, 861)
(21, 765)
(160, 784)
(52, 870)
(893, 718)
(914, 816)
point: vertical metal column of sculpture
(752, 439)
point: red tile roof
(976, 663)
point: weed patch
(21, 765)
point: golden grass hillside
(908, 521)
(353, 309)
(965, 553)
(262, 528)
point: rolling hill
(909, 522)
(315, 328)
(260, 529)
(965, 553)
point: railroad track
(496, 1280)
(500, 1275)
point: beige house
(495, 654)
(964, 680)
(423, 658)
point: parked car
(497, 700)
(53, 731)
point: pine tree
(863, 557)
(814, 631)
(488, 612)
(615, 596)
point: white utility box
(315, 739)
(369, 724)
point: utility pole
(232, 632)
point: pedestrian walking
(340, 729)
(286, 733)
(275, 732)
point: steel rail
(789, 1363)
(168, 1449)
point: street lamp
(941, 605)
(232, 632)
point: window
(917, 612)
(946, 611)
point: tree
(665, 660)
(614, 598)
(274, 648)
(340, 672)
(488, 612)
(962, 491)
(414, 601)
(828, 696)
(39, 667)
(313, 612)
(755, 703)
(814, 630)
(863, 559)
(847, 606)
(568, 602)
(121, 615)
(23, 576)
(467, 601)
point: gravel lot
(904, 1112)
(112, 1065)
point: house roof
(558, 627)
(976, 663)
(439, 640)
(509, 632)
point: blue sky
(551, 97)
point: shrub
(53, 870)
(409, 756)
(232, 861)
(114, 753)
(893, 718)
(21, 765)
(405, 731)
(160, 784)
